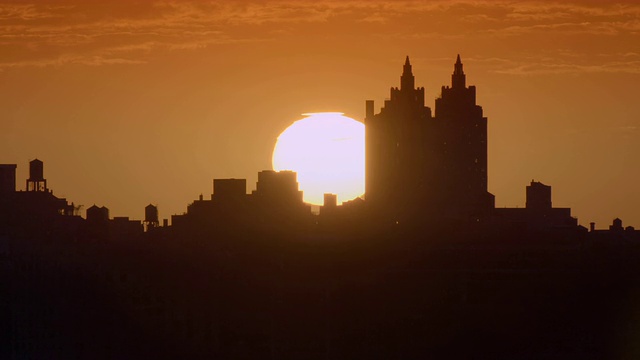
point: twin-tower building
(421, 164)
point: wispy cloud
(533, 68)
(118, 31)
(28, 11)
(70, 59)
(628, 128)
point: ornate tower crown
(407, 80)
(458, 79)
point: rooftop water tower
(151, 217)
(36, 180)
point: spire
(406, 69)
(457, 68)
(458, 79)
(407, 79)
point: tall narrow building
(395, 148)
(464, 154)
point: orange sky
(147, 103)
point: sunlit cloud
(88, 59)
(129, 33)
(68, 59)
(567, 28)
(375, 18)
(28, 11)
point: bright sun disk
(327, 151)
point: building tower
(420, 166)
(463, 131)
(36, 180)
(395, 149)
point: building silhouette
(7, 180)
(538, 196)
(398, 159)
(616, 234)
(463, 164)
(97, 214)
(229, 190)
(36, 210)
(422, 166)
(538, 213)
(276, 200)
(278, 188)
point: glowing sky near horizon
(131, 103)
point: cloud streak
(41, 34)
(70, 59)
(616, 67)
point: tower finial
(407, 67)
(457, 68)
(458, 79)
(407, 79)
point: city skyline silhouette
(419, 164)
(458, 81)
(140, 216)
(170, 112)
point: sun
(327, 151)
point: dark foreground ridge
(425, 267)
